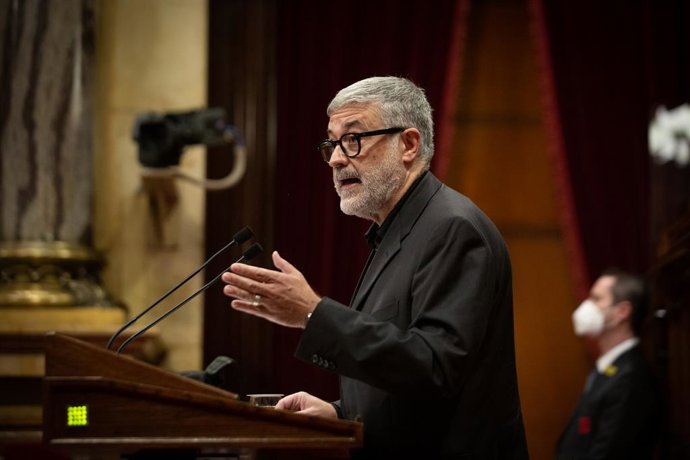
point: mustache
(344, 174)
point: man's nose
(338, 157)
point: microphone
(237, 239)
(253, 251)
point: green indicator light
(78, 415)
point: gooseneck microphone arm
(239, 238)
(253, 250)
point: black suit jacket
(618, 417)
(426, 350)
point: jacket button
(314, 359)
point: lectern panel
(139, 406)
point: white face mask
(588, 319)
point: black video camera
(161, 138)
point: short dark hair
(633, 288)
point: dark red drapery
(606, 66)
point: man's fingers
(291, 402)
(244, 287)
(237, 293)
(251, 309)
(282, 264)
(256, 273)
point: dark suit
(426, 351)
(618, 417)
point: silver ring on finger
(257, 300)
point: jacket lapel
(380, 259)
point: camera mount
(162, 138)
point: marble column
(46, 120)
(46, 136)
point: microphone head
(253, 251)
(243, 235)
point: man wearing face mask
(617, 415)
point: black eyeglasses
(350, 142)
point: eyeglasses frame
(358, 137)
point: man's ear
(410, 139)
(624, 311)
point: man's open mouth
(349, 181)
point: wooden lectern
(99, 402)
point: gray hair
(400, 103)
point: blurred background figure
(618, 413)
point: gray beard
(376, 189)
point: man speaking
(425, 352)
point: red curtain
(323, 47)
(605, 67)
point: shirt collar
(610, 356)
(375, 233)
